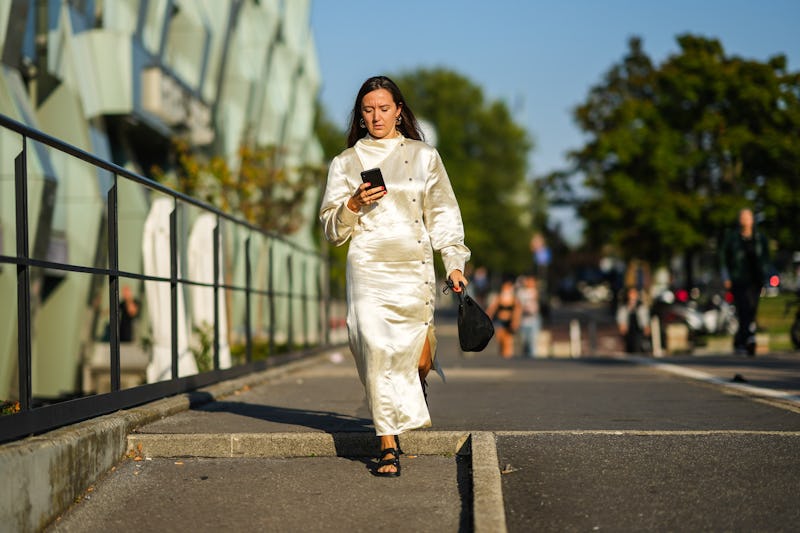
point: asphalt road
(677, 481)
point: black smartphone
(374, 177)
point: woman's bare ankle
(388, 441)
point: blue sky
(540, 57)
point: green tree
(676, 149)
(485, 153)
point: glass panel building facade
(121, 80)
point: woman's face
(380, 112)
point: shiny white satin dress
(390, 273)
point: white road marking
(783, 399)
(647, 432)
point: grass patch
(772, 316)
(773, 319)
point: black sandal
(388, 462)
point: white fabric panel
(154, 23)
(103, 61)
(58, 46)
(215, 15)
(186, 39)
(201, 268)
(120, 16)
(156, 255)
(310, 60)
(276, 94)
(256, 30)
(295, 19)
(301, 123)
(5, 12)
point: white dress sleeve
(443, 217)
(338, 222)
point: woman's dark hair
(408, 126)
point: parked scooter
(672, 308)
(719, 316)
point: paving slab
(273, 494)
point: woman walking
(393, 232)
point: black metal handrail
(31, 420)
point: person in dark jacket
(744, 256)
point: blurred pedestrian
(633, 322)
(637, 274)
(128, 312)
(542, 257)
(531, 321)
(743, 257)
(393, 232)
(506, 312)
(480, 285)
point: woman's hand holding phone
(374, 177)
(367, 193)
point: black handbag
(475, 328)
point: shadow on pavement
(348, 432)
(327, 421)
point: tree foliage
(675, 150)
(261, 189)
(485, 154)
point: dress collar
(372, 152)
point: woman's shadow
(350, 434)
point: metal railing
(33, 419)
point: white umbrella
(156, 257)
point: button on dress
(390, 269)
